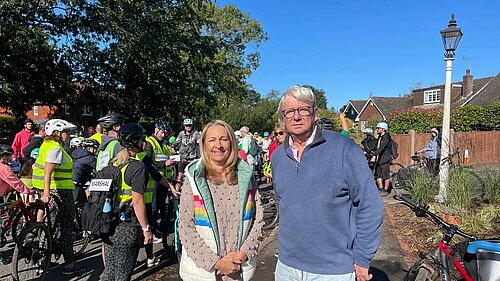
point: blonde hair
(121, 158)
(230, 165)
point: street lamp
(451, 37)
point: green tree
(320, 96)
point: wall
(483, 147)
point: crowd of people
(212, 172)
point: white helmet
(58, 125)
(76, 142)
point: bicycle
(16, 215)
(473, 260)
(270, 208)
(38, 242)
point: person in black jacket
(84, 161)
(368, 145)
(35, 141)
(382, 158)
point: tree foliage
(320, 95)
(144, 58)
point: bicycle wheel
(426, 268)
(32, 253)
(394, 169)
(270, 209)
(478, 186)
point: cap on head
(368, 131)
(58, 125)
(187, 121)
(266, 134)
(383, 125)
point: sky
(355, 48)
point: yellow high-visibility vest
(62, 176)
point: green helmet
(171, 139)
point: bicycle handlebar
(422, 211)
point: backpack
(394, 149)
(103, 187)
(253, 148)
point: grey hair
(303, 94)
(245, 129)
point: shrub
(420, 120)
(460, 185)
(481, 222)
(491, 191)
(423, 186)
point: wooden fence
(482, 147)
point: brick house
(469, 91)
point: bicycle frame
(444, 253)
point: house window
(35, 110)
(363, 125)
(432, 96)
(87, 111)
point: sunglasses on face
(279, 133)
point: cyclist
(111, 124)
(433, 151)
(187, 145)
(84, 161)
(122, 254)
(52, 175)
(382, 158)
(8, 180)
(368, 144)
(160, 152)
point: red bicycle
(473, 260)
(17, 214)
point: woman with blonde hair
(220, 217)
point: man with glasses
(187, 145)
(325, 191)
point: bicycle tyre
(33, 249)
(478, 185)
(426, 268)
(270, 209)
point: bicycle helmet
(58, 125)
(109, 120)
(171, 140)
(27, 121)
(75, 142)
(187, 121)
(35, 152)
(90, 142)
(163, 125)
(130, 134)
(237, 133)
(266, 134)
(368, 131)
(6, 149)
(383, 125)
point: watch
(147, 228)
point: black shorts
(382, 171)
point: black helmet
(130, 134)
(26, 121)
(6, 149)
(108, 120)
(89, 142)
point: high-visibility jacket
(62, 176)
(148, 195)
(162, 149)
(108, 153)
(124, 193)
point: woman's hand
(148, 237)
(226, 265)
(238, 257)
(45, 198)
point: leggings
(122, 254)
(66, 217)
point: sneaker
(76, 268)
(157, 240)
(152, 262)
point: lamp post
(451, 37)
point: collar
(315, 138)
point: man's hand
(174, 189)
(362, 273)
(170, 162)
(226, 265)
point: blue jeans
(286, 273)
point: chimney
(468, 84)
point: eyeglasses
(279, 133)
(303, 111)
(187, 125)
